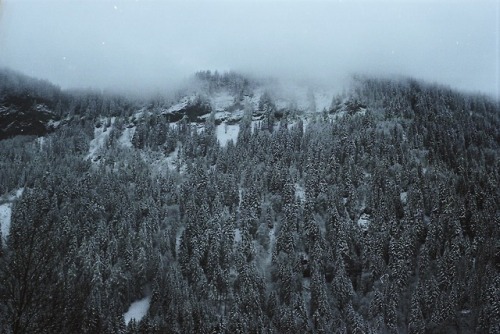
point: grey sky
(141, 44)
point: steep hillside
(232, 207)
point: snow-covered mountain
(244, 205)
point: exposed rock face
(193, 110)
(27, 105)
(18, 118)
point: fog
(150, 45)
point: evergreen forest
(378, 214)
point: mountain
(244, 205)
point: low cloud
(151, 45)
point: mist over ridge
(152, 46)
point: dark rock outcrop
(16, 118)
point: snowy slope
(101, 134)
(125, 139)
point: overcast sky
(141, 44)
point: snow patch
(364, 221)
(256, 125)
(272, 243)
(178, 237)
(173, 158)
(300, 192)
(53, 124)
(125, 139)
(137, 310)
(6, 212)
(226, 133)
(40, 141)
(19, 192)
(403, 197)
(42, 108)
(237, 235)
(361, 112)
(101, 134)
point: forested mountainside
(228, 209)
